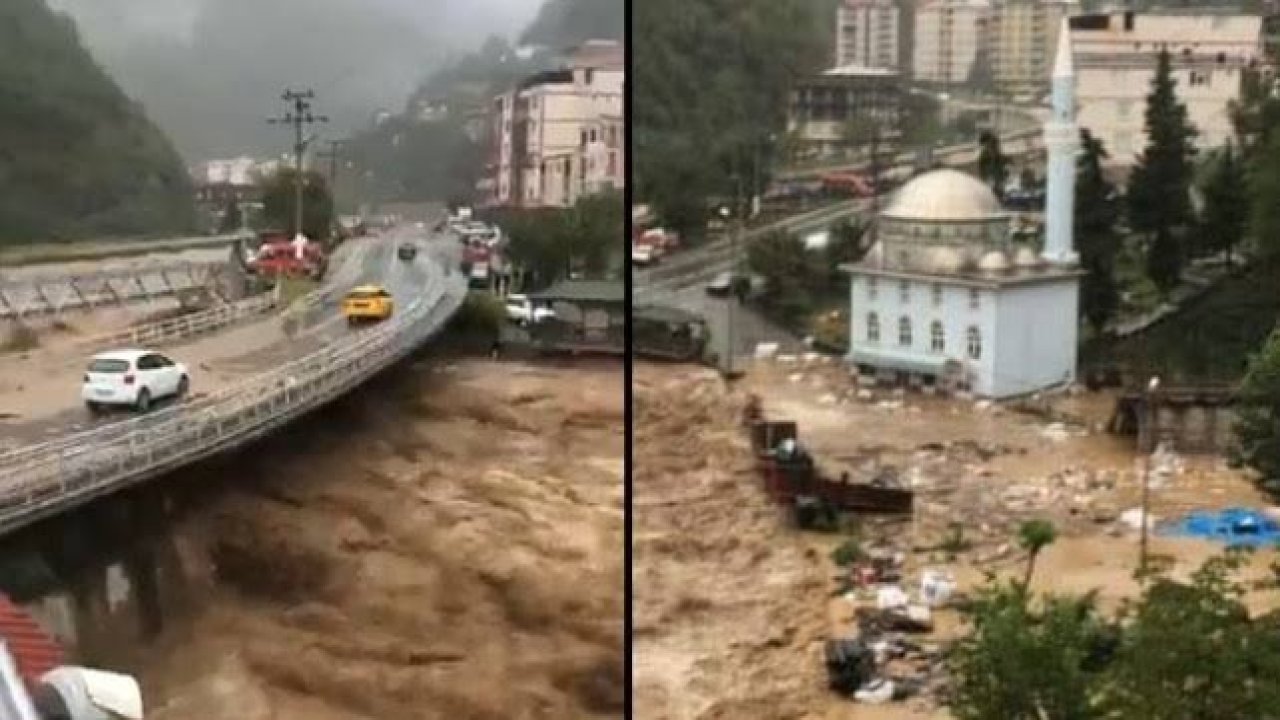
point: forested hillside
(711, 78)
(77, 157)
(411, 159)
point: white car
(520, 309)
(132, 378)
(642, 255)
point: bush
(480, 314)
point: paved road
(247, 350)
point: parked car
(740, 284)
(407, 251)
(641, 255)
(367, 303)
(132, 378)
(521, 310)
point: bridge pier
(1187, 420)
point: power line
(298, 115)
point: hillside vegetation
(77, 157)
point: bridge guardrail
(181, 327)
(38, 479)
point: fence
(182, 327)
(43, 479)
(51, 293)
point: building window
(873, 328)
(872, 288)
(937, 337)
(937, 295)
(973, 298)
(904, 331)
(974, 341)
(904, 291)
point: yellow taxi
(367, 303)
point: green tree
(1226, 204)
(1265, 211)
(1159, 189)
(279, 203)
(1258, 415)
(1190, 651)
(993, 164)
(1096, 214)
(1034, 536)
(232, 218)
(1025, 660)
(547, 244)
(792, 276)
(710, 81)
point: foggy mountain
(210, 72)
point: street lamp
(1152, 385)
(726, 214)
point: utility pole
(1149, 410)
(875, 185)
(298, 115)
(332, 155)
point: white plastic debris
(876, 692)
(890, 597)
(1132, 518)
(936, 587)
(764, 351)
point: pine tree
(1159, 189)
(1096, 213)
(1226, 205)
(1264, 221)
(993, 164)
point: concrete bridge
(289, 373)
(1196, 419)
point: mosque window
(937, 337)
(937, 294)
(904, 291)
(873, 328)
(974, 341)
(904, 331)
(872, 288)
(973, 298)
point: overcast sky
(211, 71)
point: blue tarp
(1235, 526)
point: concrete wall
(1035, 337)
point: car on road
(642, 255)
(132, 378)
(522, 311)
(739, 283)
(407, 251)
(367, 303)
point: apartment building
(868, 34)
(560, 134)
(948, 35)
(1115, 58)
(822, 106)
(1021, 38)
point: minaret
(1061, 141)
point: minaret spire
(1061, 140)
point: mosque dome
(1026, 258)
(945, 195)
(994, 261)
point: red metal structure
(34, 651)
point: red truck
(278, 255)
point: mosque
(947, 296)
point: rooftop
(1209, 29)
(853, 70)
(944, 195)
(601, 291)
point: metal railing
(162, 332)
(51, 293)
(42, 479)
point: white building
(1021, 37)
(867, 34)
(948, 34)
(559, 135)
(946, 296)
(232, 171)
(1115, 58)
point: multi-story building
(822, 106)
(1115, 59)
(867, 34)
(948, 35)
(1021, 38)
(559, 135)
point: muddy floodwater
(733, 605)
(447, 543)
